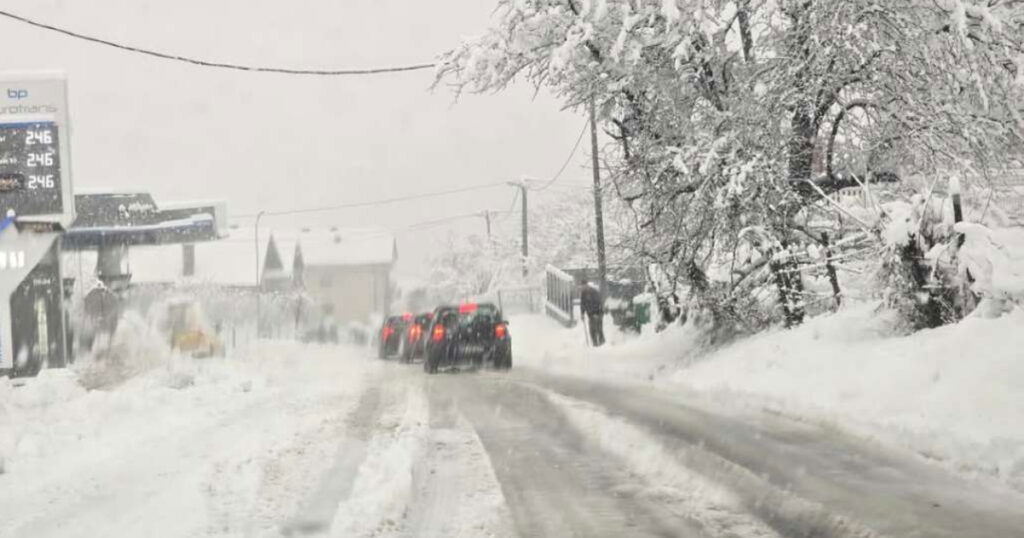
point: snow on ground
(951, 394)
(286, 439)
(382, 490)
(539, 342)
(213, 447)
(664, 479)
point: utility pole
(526, 240)
(602, 267)
(487, 217)
(256, 234)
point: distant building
(345, 273)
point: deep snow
(217, 446)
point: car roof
(455, 306)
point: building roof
(232, 261)
(346, 247)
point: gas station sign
(36, 204)
(35, 181)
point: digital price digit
(38, 137)
(41, 182)
(39, 159)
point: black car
(469, 334)
(390, 338)
(415, 336)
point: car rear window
(482, 313)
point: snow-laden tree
(562, 234)
(470, 266)
(725, 112)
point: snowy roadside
(214, 446)
(952, 394)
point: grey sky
(265, 141)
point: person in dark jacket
(592, 309)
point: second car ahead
(391, 336)
(470, 334)
(414, 337)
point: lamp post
(256, 237)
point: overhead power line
(214, 64)
(441, 221)
(362, 234)
(567, 159)
(372, 203)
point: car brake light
(466, 308)
(387, 332)
(438, 333)
(500, 331)
(407, 316)
(415, 332)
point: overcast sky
(263, 141)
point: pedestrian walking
(592, 311)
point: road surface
(361, 447)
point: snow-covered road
(330, 442)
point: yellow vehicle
(189, 332)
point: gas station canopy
(127, 218)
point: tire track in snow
(801, 479)
(382, 492)
(716, 510)
(556, 482)
(456, 491)
(316, 513)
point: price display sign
(34, 178)
(30, 167)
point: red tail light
(438, 334)
(387, 332)
(407, 316)
(500, 331)
(415, 332)
(466, 308)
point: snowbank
(953, 394)
(539, 342)
(185, 424)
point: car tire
(503, 360)
(430, 364)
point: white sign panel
(35, 157)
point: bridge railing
(560, 293)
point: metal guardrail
(560, 293)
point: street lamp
(256, 236)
